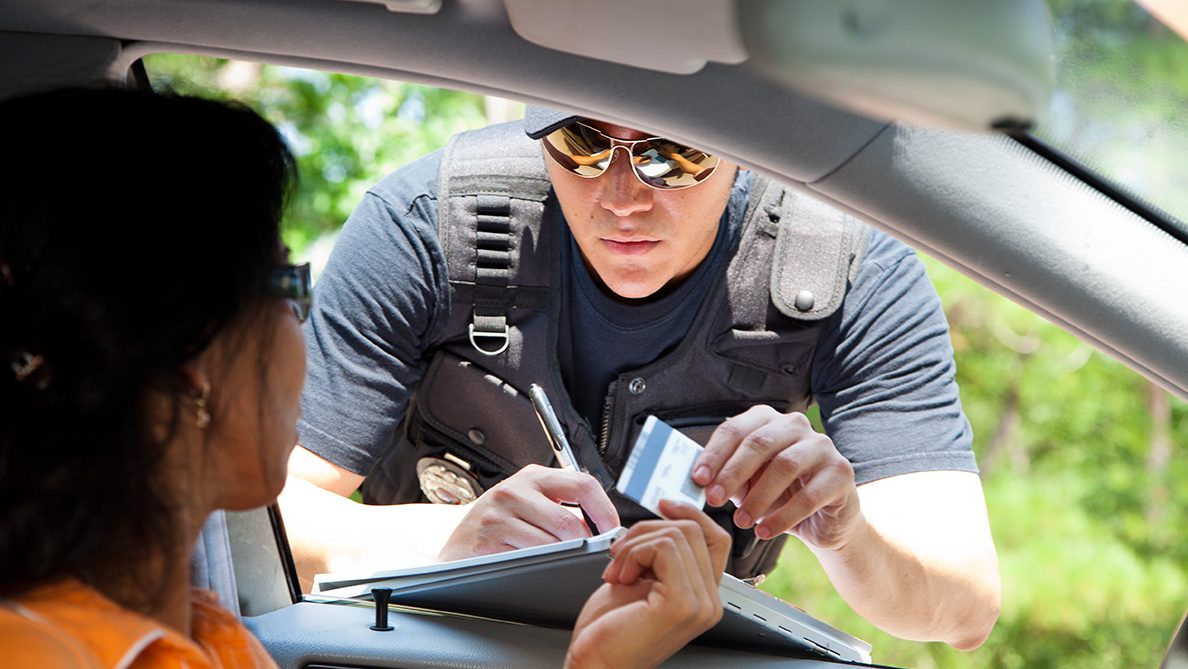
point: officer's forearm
(927, 572)
(330, 533)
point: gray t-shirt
(883, 373)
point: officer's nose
(623, 194)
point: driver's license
(661, 467)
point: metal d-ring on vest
(499, 334)
(501, 233)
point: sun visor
(674, 36)
(966, 64)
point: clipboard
(548, 585)
(543, 585)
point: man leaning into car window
(631, 275)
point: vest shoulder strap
(492, 187)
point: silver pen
(561, 449)
(552, 428)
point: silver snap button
(805, 300)
(637, 385)
(476, 436)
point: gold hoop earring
(202, 417)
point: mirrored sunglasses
(292, 283)
(657, 162)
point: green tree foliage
(346, 131)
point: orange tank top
(70, 625)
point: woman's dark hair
(134, 227)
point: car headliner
(983, 203)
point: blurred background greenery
(1079, 455)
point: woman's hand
(661, 591)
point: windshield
(1121, 94)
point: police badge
(447, 480)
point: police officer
(631, 276)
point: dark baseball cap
(540, 121)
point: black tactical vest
(470, 423)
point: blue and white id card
(661, 467)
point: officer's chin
(634, 291)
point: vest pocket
(474, 413)
(786, 351)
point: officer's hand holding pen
(526, 510)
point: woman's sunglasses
(293, 283)
(657, 162)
